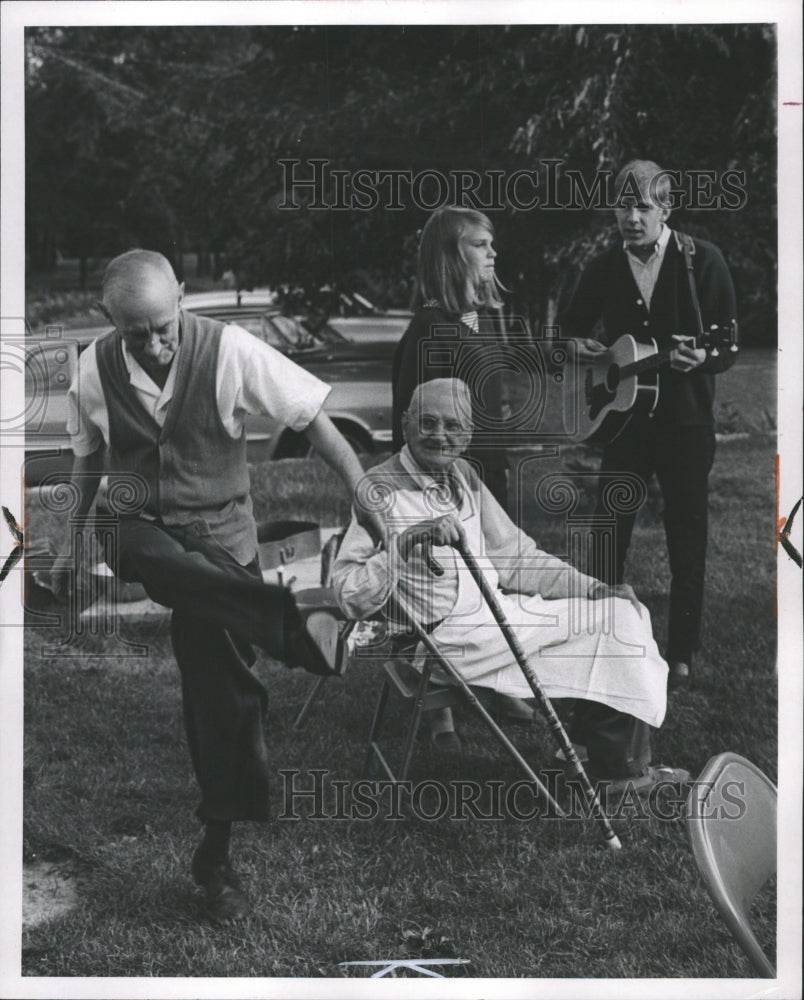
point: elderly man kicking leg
(160, 403)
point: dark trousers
(681, 458)
(617, 743)
(219, 609)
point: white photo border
(786, 14)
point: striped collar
(469, 319)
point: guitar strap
(686, 245)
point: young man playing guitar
(659, 285)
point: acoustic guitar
(612, 387)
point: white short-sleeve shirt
(252, 378)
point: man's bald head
(134, 274)
(440, 389)
(142, 298)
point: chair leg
(308, 704)
(503, 740)
(376, 722)
(315, 690)
(415, 721)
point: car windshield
(288, 334)
(295, 335)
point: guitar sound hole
(613, 378)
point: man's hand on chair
(445, 530)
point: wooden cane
(452, 671)
(610, 837)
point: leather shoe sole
(317, 646)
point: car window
(289, 334)
(255, 321)
(329, 335)
(285, 328)
(294, 332)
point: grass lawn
(109, 794)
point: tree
(175, 137)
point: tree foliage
(173, 137)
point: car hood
(345, 366)
(371, 351)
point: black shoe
(224, 895)
(679, 675)
(643, 784)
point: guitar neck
(648, 363)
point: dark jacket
(435, 345)
(607, 304)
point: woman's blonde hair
(443, 275)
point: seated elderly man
(586, 640)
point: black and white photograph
(400, 438)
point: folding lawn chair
(731, 822)
(322, 598)
(422, 695)
(415, 689)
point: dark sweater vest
(195, 471)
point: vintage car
(357, 368)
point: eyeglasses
(430, 425)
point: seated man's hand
(444, 530)
(599, 590)
(685, 357)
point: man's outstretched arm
(333, 447)
(85, 478)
